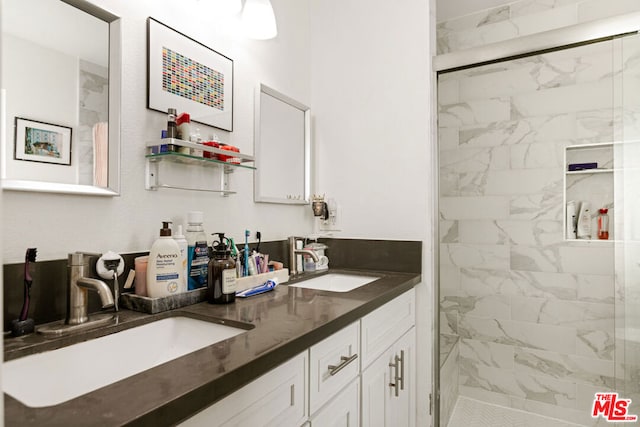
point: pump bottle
(222, 273)
(164, 270)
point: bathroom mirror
(282, 148)
(60, 97)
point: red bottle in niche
(603, 224)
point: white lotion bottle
(584, 221)
(164, 270)
(181, 240)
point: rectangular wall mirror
(282, 148)
(60, 97)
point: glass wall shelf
(189, 172)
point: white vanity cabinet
(388, 396)
(364, 374)
(388, 364)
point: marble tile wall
(449, 352)
(521, 18)
(534, 313)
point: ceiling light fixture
(258, 20)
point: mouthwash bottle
(197, 250)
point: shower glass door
(627, 218)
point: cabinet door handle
(344, 361)
(401, 369)
(396, 377)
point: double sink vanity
(326, 345)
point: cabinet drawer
(343, 410)
(382, 327)
(277, 398)
(333, 363)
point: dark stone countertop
(280, 324)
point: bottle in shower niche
(197, 251)
(584, 221)
(603, 224)
(222, 272)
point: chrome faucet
(78, 286)
(293, 252)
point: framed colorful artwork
(42, 142)
(188, 76)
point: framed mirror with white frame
(60, 97)
(282, 148)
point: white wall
(371, 98)
(40, 70)
(58, 224)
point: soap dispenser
(164, 270)
(222, 272)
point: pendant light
(258, 20)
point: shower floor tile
(473, 413)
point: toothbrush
(30, 256)
(246, 253)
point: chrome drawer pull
(396, 378)
(401, 369)
(344, 362)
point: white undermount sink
(335, 282)
(54, 377)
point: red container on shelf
(229, 159)
(209, 154)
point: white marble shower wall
(521, 18)
(534, 313)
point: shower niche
(589, 178)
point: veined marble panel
(492, 257)
(543, 389)
(486, 306)
(559, 127)
(589, 260)
(582, 97)
(485, 395)
(539, 155)
(544, 206)
(550, 19)
(477, 19)
(534, 258)
(448, 139)
(592, 372)
(547, 390)
(481, 231)
(595, 288)
(595, 344)
(451, 41)
(583, 315)
(522, 334)
(518, 283)
(499, 84)
(487, 353)
(449, 280)
(531, 7)
(449, 184)
(474, 207)
(534, 233)
(586, 395)
(448, 322)
(523, 181)
(448, 231)
(596, 125)
(474, 112)
(448, 92)
(589, 10)
(465, 160)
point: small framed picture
(188, 76)
(42, 142)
